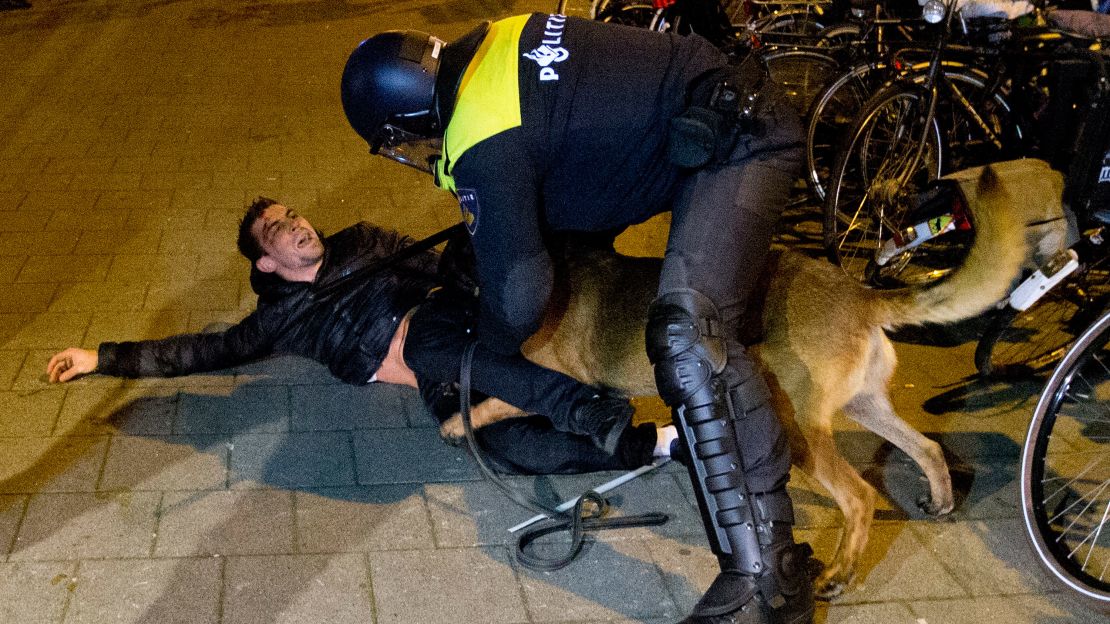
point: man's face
(288, 241)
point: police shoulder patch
(468, 204)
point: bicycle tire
(839, 36)
(1065, 472)
(801, 73)
(636, 14)
(831, 114)
(866, 198)
(1020, 345)
(888, 198)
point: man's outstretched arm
(169, 357)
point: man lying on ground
(398, 325)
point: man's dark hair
(248, 244)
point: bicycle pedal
(1062, 264)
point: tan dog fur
(824, 349)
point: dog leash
(586, 515)
(325, 292)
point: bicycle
(1031, 330)
(903, 138)
(1065, 469)
(863, 46)
(781, 33)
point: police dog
(822, 349)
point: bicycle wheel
(1065, 469)
(801, 73)
(638, 14)
(877, 175)
(831, 114)
(877, 186)
(1017, 345)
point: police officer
(542, 124)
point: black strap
(578, 521)
(326, 291)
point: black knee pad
(686, 346)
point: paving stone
(127, 242)
(10, 363)
(227, 266)
(134, 202)
(170, 591)
(292, 460)
(35, 593)
(10, 267)
(51, 464)
(632, 586)
(285, 370)
(27, 243)
(24, 221)
(237, 410)
(297, 588)
(476, 513)
(884, 613)
(408, 456)
(112, 220)
(10, 200)
(166, 463)
(11, 512)
(122, 325)
(137, 411)
(207, 295)
(1005, 610)
(214, 321)
(353, 519)
(895, 566)
(65, 269)
(29, 414)
(86, 525)
(471, 585)
(344, 408)
(26, 297)
(99, 297)
(153, 268)
(688, 568)
(995, 557)
(248, 522)
(48, 330)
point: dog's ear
(989, 181)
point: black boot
(783, 595)
(602, 417)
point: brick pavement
(131, 134)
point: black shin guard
(749, 533)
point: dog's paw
(936, 510)
(828, 589)
(452, 430)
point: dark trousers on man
(439, 332)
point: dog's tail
(985, 275)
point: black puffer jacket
(349, 329)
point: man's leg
(721, 230)
(530, 445)
(437, 336)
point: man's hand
(71, 363)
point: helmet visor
(408, 148)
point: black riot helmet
(398, 91)
(388, 93)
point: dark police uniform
(561, 124)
